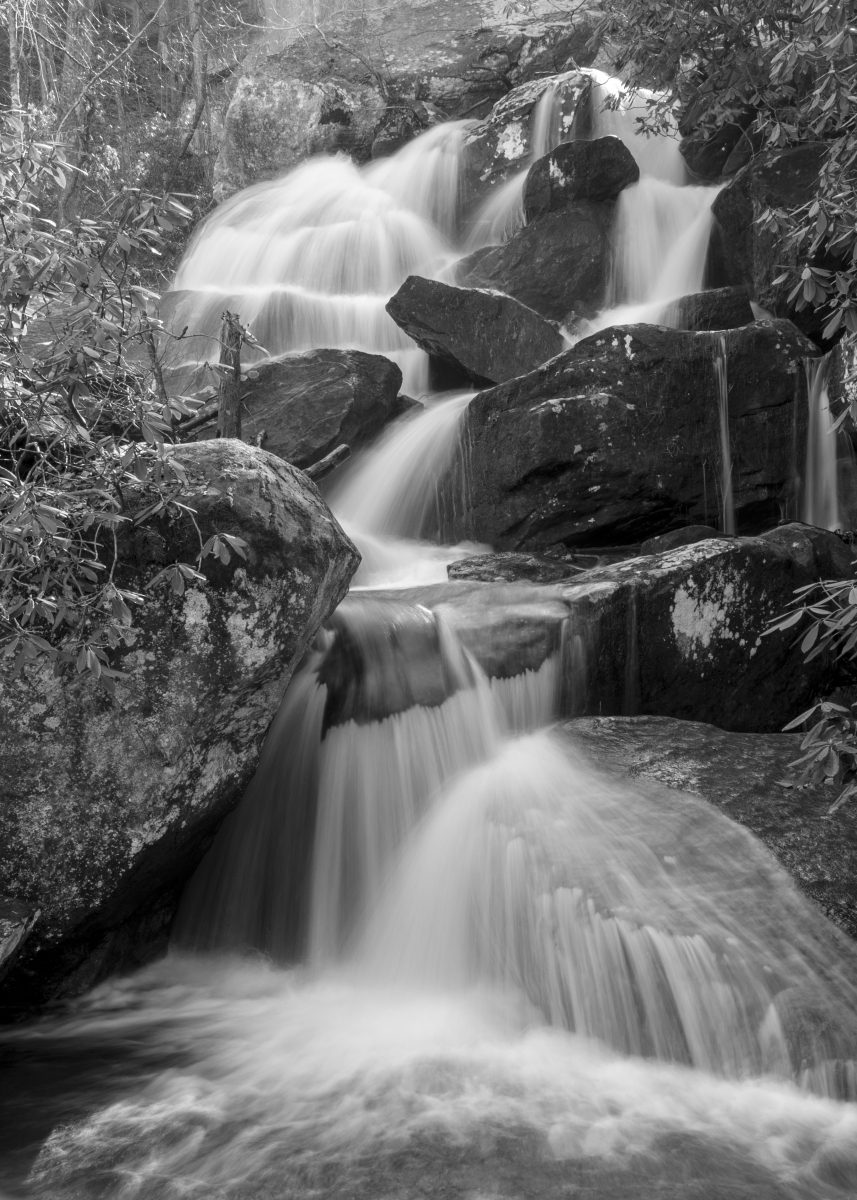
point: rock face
(356, 77)
(678, 634)
(485, 335)
(618, 439)
(750, 254)
(559, 265)
(108, 805)
(742, 773)
(596, 170)
(720, 308)
(307, 404)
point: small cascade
(586, 893)
(310, 259)
(821, 488)
(379, 719)
(389, 498)
(721, 374)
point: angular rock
(558, 265)
(596, 170)
(748, 253)
(304, 405)
(689, 535)
(512, 568)
(679, 634)
(16, 924)
(109, 804)
(486, 335)
(618, 439)
(742, 774)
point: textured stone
(558, 265)
(307, 404)
(487, 336)
(596, 170)
(719, 308)
(743, 774)
(107, 805)
(618, 439)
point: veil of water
(438, 950)
(727, 503)
(821, 489)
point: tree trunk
(229, 413)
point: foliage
(786, 74)
(827, 614)
(83, 421)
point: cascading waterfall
(311, 259)
(821, 488)
(721, 374)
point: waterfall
(721, 374)
(821, 489)
(311, 259)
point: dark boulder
(558, 265)
(485, 335)
(596, 170)
(709, 153)
(749, 253)
(743, 774)
(720, 308)
(303, 405)
(109, 804)
(618, 439)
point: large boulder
(360, 79)
(486, 336)
(679, 634)
(746, 775)
(746, 249)
(719, 308)
(559, 264)
(596, 170)
(108, 804)
(619, 439)
(303, 405)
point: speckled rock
(486, 336)
(686, 536)
(618, 439)
(510, 567)
(353, 73)
(678, 634)
(596, 170)
(743, 774)
(107, 805)
(303, 405)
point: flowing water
(727, 502)
(821, 488)
(438, 950)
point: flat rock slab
(741, 774)
(484, 334)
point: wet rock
(720, 308)
(596, 170)
(686, 536)
(749, 253)
(108, 804)
(558, 265)
(742, 773)
(618, 439)
(708, 153)
(509, 568)
(304, 405)
(485, 335)
(16, 923)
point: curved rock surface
(595, 170)
(107, 806)
(618, 439)
(742, 773)
(558, 265)
(303, 405)
(487, 336)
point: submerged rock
(485, 335)
(303, 405)
(596, 170)
(746, 775)
(618, 439)
(109, 804)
